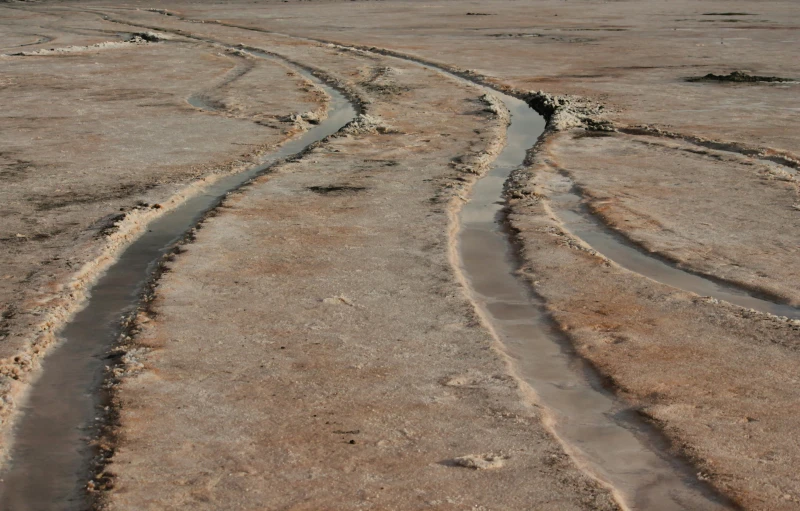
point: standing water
(51, 455)
(575, 217)
(599, 434)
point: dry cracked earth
(314, 341)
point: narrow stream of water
(600, 435)
(51, 455)
(580, 222)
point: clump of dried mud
(565, 112)
(738, 77)
(366, 123)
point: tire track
(568, 205)
(202, 100)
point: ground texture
(313, 347)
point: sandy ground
(355, 287)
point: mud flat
(325, 291)
(608, 60)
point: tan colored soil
(299, 318)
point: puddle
(569, 209)
(50, 455)
(199, 101)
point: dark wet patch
(732, 21)
(560, 39)
(5, 321)
(729, 14)
(336, 189)
(593, 134)
(386, 89)
(516, 34)
(150, 37)
(381, 83)
(108, 225)
(55, 201)
(601, 29)
(386, 163)
(737, 77)
(585, 76)
(13, 168)
(573, 39)
(24, 238)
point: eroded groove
(42, 39)
(202, 101)
(782, 158)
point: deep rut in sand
(51, 454)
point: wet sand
(50, 458)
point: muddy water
(601, 436)
(582, 224)
(201, 102)
(50, 456)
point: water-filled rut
(569, 208)
(51, 454)
(600, 434)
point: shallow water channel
(575, 217)
(51, 454)
(601, 435)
